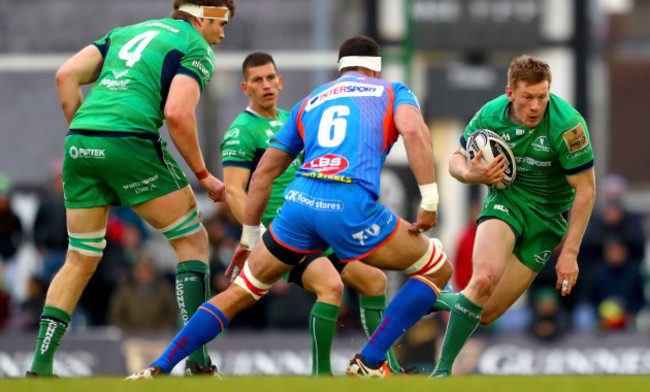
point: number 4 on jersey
(133, 56)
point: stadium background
(452, 53)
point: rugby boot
(146, 374)
(194, 369)
(358, 368)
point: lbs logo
(328, 164)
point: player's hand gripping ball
(492, 145)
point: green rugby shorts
(537, 235)
(117, 168)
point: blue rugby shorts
(318, 214)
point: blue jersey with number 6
(346, 129)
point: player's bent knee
(329, 282)
(378, 285)
(185, 226)
(88, 244)
(251, 284)
(374, 284)
(483, 284)
(430, 262)
(330, 291)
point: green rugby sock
(322, 325)
(54, 322)
(463, 321)
(192, 289)
(372, 312)
(445, 302)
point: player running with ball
(519, 227)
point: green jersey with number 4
(243, 146)
(557, 147)
(140, 62)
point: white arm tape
(250, 235)
(430, 198)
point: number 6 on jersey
(332, 128)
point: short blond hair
(528, 69)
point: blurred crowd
(138, 268)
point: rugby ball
(492, 145)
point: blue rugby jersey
(346, 128)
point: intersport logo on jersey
(345, 89)
(328, 164)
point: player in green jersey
(519, 227)
(142, 74)
(243, 145)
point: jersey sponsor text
(97, 153)
(313, 202)
(345, 89)
(114, 84)
(328, 164)
(158, 24)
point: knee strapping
(88, 244)
(184, 226)
(430, 262)
(251, 284)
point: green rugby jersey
(559, 146)
(244, 144)
(140, 62)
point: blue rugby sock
(409, 305)
(205, 325)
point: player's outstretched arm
(585, 196)
(183, 97)
(82, 68)
(273, 163)
(419, 150)
(236, 179)
(417, 141)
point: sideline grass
(338, 384)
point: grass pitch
(416, 383)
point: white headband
(206, 12)
(370, 62)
